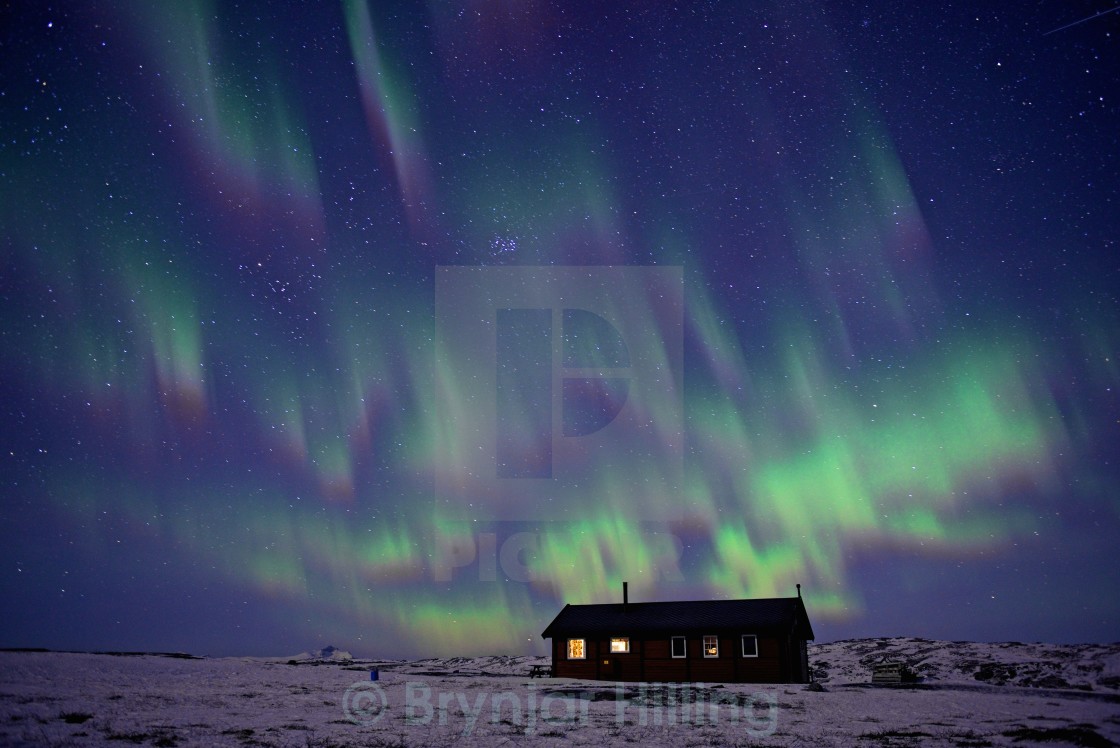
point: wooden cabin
(709, 641)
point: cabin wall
(650, 660)
(562, 667)
(769, 666)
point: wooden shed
(711, 641)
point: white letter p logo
(553, 383)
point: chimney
(625, 598)
(799, 589)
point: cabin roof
(681, 616)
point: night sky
(269, 358)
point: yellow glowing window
(711, 646)
(576, 649)
(620, 645)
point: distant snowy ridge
(1080, 666)
(327, 654)
(485, 665)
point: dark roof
(681, 616)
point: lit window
(677, 646)
(576, 649)
(620, 645)
(711, 646)
(750, 645)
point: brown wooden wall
(650, 660)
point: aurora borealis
(233, 422)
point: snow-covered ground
(969, 695)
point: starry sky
(272, 358)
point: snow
(1085, 666)
(970, 694)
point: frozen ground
(970, 695)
